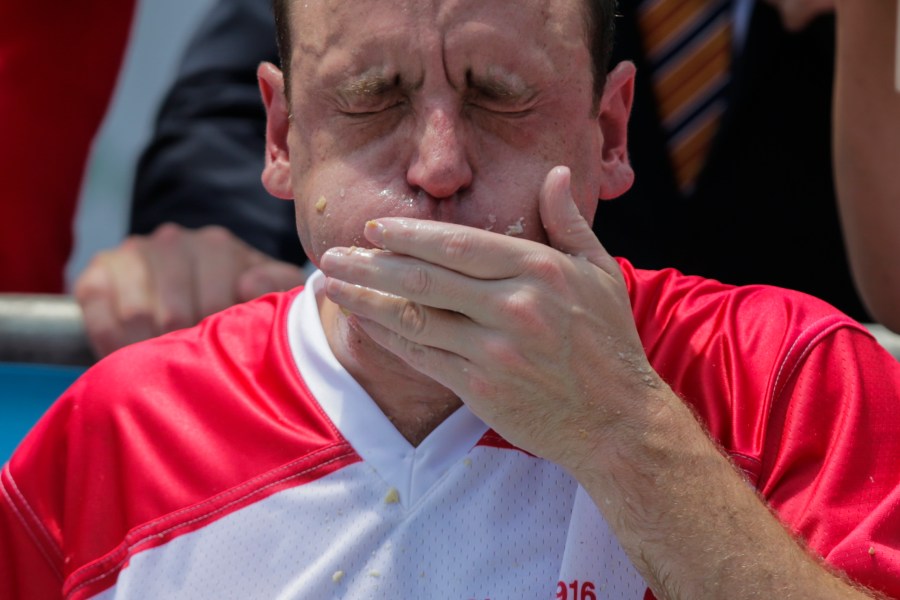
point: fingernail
(374, 232)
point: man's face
(444, 110)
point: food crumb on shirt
(517, 228)
(374, 574)
(321, 204)
(338, 575)
(871, 550)
(393, 496)
(467, 462)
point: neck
(414, 403)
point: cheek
(333, 207)
(508, 203)
(326, 219)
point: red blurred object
(59, 63)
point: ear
(615, 107)
(276, 175)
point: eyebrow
(369, 85)
(374, 84)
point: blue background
(26, 391)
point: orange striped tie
(688, 46)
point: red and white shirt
(238, 459)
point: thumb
(268, 276)
(566, 228)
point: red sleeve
(59, 62)
(831, 465)
(31, 559)
(803, 400)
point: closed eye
(369, 95)
(371, 111)
(509, 96)
(511, 112)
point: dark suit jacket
(204, 162)
(764, 209)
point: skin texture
(171, 279)
(428, 304)
(407, 131)
(464, 127)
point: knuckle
(417, 281)
(133, 243)
(98, 278)
(413, 319)
(545, 267)
(503, 354)
(215, 236)
(92, 283)
(416, 355)
(169, 233)
(458, 246)
(523, 309)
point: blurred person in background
(755, 202)
(867, 153)
(59, 63)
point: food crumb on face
(321, 204)
(517, 228)
(393, 496)
(338, 575)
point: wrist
(634, 446)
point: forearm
(690, 523)
(867, 144)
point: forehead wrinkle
(318, 24)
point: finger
(467, 250)
(446, 330)
(218, 257)
(268, 276)
(132, 293)
(409, 278)
(566, 228)
(173, 297)
(447, 368)
(94, 290)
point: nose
(440, 163)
